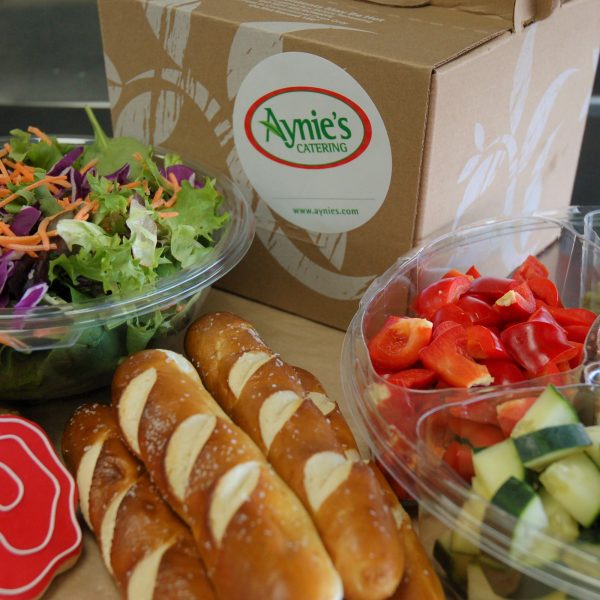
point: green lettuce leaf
(198, 217)
(113, 153)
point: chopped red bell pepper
(544, 315)
(530, 267)
(534, 344)
(478, 435)
(483, 343)
(491, 287)
(480, 312)
(544, 289)
(451, 312)
(504, 371)
(447, 356)
(473, 272)
(443, 327)
(578, 358)
(440, 293)
(479, 412)
(573, 316)
(453, 273)
(512, 411)
(517, 304)
(395, 405)
(459, 457)
(576, 333)
(416, 379)
(396, 345)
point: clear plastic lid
(47, 327)
(404, 428)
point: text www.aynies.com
(326, 211)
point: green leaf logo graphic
(274, 130)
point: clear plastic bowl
(568, 244)
(70, 349)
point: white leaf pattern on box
(469, 167)
(113, 80)
(540, 118)
(586, 103)
(170, 21)
(479, 135)
(153, 115)
(255, 41)
(521, 83)
(481, 169)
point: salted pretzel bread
(253, 534)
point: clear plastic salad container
(406, 429)
(72, 348)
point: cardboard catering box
(357, 128)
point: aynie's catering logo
(308, 127)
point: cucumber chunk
(454, 564)
(540, 448)
(574, 482)
(584, 554)
(594, 450)
(465, 536)
(479, 587)
(560, 523)
(519, 499)
(551, 408)
(494, 465)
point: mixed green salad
(82, 222)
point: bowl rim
(234, 241)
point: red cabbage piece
(6, 266)
(182, 172)
(66, 161)
(24, 220)
(32, 296)
(120, 175)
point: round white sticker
(312, 142)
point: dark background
(49, 73)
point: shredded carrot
(5, 229)
(58, 180)
(32, 248)
(9, 340)
(168, 215)
(83, 212)
(43, 137)
(157, 198)
(7, 240)
(131, 185)
(4, 151)
(3, 169)
(89, 165)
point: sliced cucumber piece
(497, 463)
(594, 450)
(540, 448)
(519, 499)
(454, 564)
(478, 587)
(465, 535)
(551, 408)
(574, 482)
(584, 554)
(560, 523)
(479, 488)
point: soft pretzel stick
(419, 580)
(265, 397)
(253, 534)
(148, 550)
